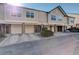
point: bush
(2, 35)
(43, 29)
(47, 33)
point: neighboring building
(71, 22)
(76, 21)
(15, 19)
(57, 19)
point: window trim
(53, 17)
(31, 14)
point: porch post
(5, 29)
(42, 27)
(54, 28)
(23, 28)
(1, 29)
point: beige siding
(29, 29)
(16, 28)
(9, 11)
(42, 17)
(57, 13)
(76, 21)
(39, 16)
(30, 19)
(1, 11)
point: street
(63, 45)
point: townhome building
(14, 19)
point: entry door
(8, 28)
(37, 28)
(59, 28)
(5, 28)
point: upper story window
(32, 15)
(59, 18)
(53, 17)
(71, 20)
(29, 15)
(14, 11)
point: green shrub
(47, 33)
(43, 29)
(2, 35)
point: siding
(39, 16)
(57, 13)
(1, 11)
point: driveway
(62, 45)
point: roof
(61, 9)
(74, 13)
(26, 8)
(71, 16)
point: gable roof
(61, 9)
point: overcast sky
(68, 7)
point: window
(29, 15)
(32, 15)
(16, 12)
(53, 17)
(71, 20)
(59, 18)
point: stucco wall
(16, 28)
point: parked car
(66, 30)
(73, 29)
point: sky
(68, 7)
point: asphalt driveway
(63, 45)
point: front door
(5, 28)
(37, 28)
(59, 28)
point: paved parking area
(62, 45)
(16, 38)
